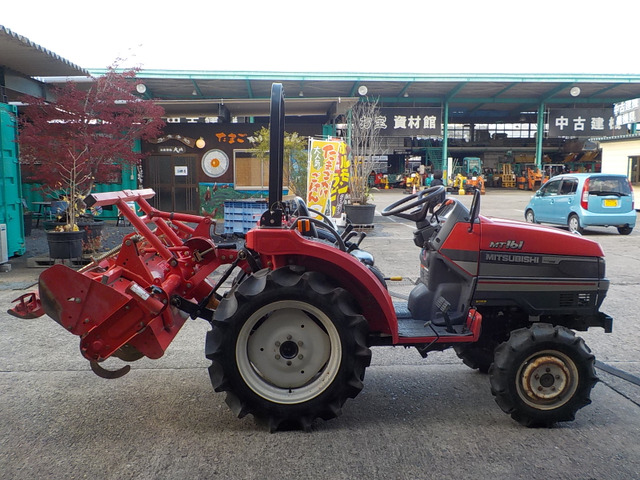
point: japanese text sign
(581, 122)
(409, 122)
(324, 159)
(627, 112)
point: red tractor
(290, 339)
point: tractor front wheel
(476, 357)
(542, 375)
(288, 346)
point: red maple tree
(86, 135)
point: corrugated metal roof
(21, 55)
(617, 138)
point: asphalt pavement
(415, 418)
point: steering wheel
(416, 206)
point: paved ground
(416, 418)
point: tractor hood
(517, 236)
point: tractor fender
(280, 247)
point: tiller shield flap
(126, 320)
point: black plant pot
(63, 245)
(91, 232)
(360, 214)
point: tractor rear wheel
(542, 375)
(288, 346)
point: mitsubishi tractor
(296, 307)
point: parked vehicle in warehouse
(581, 200)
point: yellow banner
(324, 159)
(340, 184)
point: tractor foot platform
(412, 328)
(463, 329)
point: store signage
(410, 122)
(627, 112)
(189, 142)
(174, 150)
(581, 122)
(191, 119)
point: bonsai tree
(295, 158)
(365, 142)
(86, 136)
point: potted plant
(67, 213)
(85, 137)
(365, 143)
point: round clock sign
(215, 163)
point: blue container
(243, 215)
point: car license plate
(608, 202)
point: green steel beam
(354, 88)
(540, 136)
(554, 91)
(404, 89)
(386, 77)
(445, 139)
(454, 91)
(603, 90)
(196, 88)
(504, 90)
(249, 89)
(490, 100)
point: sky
(417, 36)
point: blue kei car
(580, 200)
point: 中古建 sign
(581, 122)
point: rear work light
(584, 199)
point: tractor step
(413, 328)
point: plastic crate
(241, 216)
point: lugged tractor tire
(288, 346)
(479, 355)
(542, 375)
(476, 357)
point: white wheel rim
(530, 216)
(574, 224)
(288, 352)
(547, 380)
